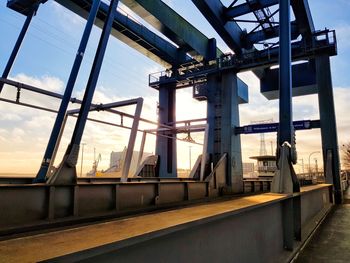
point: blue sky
(47, 54)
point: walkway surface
(55, 244)
(331, 242)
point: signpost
(273, 127)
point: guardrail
(322, 41)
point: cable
(136, 81)
(89, 53)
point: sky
(45, 61)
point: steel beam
(41, 176)
(166, 147)
(175, 27)
(132, 139)
(67, 171)
(101, 107)
(303, 81)
(303, 17)
(142, 147)
(18, 43)
(262, 35)
(246, 8)
(204, 153)
(25, 7)
(223, 116)
(230, 32)
(285, 76)
(328, 126)
(133, 34)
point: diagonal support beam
(214, 12)
(132, 33)
(66, 173)
(229, 31)
(61, 116)
(303, 16)
(246, 8)
(174, 27)
(262, 35)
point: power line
(68, 44)
(137, 80)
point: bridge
(214, 215)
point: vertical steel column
(166, 147)
(18, 44)
(142, 147)
(285, 76)
(213, 116)
(41, 176)
(328, 126)
(204, 152)
(66, 173)
(230, 142)
(223, 116)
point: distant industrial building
(248, 170)
(116, 161)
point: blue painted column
(329, 135)
(285, 132)
(18, 44)
(166, 147)
(41, 176)
(230, 142)
(223, 116)
(66, 173)
(214, 117)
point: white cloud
(10, 117)
(343, 36)
(27, 139)
(69, 21)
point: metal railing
(321, 40)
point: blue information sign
(273, 127)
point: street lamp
(82, 159)
(309, 160)
(302, 164)
(189, 148)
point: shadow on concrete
(331, 242)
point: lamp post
(82, 158)
(309, 160)
(189, 148)
(302, 164)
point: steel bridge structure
(290, 58)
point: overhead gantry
(191, 60)
(194, 60)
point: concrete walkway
(331, 242)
